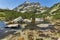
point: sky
(14, 3)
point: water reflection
(2, 24)
(4, 32)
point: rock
(12, 26)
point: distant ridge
(30, 6)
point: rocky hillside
(54, 8)
(54, 11)
(28, 7)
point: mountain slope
(54, 11)
(28, 7)
(54, 8)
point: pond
(4, 32)
(2, 24)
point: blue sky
(14, 3)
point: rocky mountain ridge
(30, 6)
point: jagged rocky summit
(30, 6)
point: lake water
(2, 24)
(6, 31)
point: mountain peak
(29, 6)
(26, 1)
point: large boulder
(19, 19)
